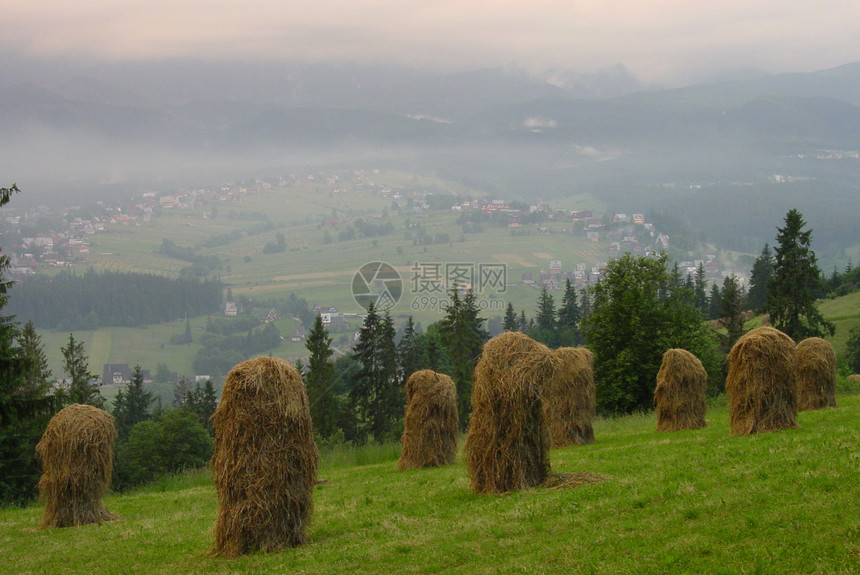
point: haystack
(265, 461)
(761, 382)
(77, 460)
(854, 378)
(680, 392)
(507, 447)
(430, 425)
(815, 370)
(569, 398)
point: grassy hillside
(685, 502)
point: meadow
(685, 502)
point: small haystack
(265, 461)
(431, 422)
(854, 378)
(816, 374)
(507, 447)
(77, 461)
(761, 382)
(569, 398)
(680, 392)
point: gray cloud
(667, 41)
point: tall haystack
(816, 374)
(77, 460)
(431, 422)
(507, 447)
(680, 392)
(265, 461)
(761, 382)
(569, 398)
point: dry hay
(265, 461)
(76, 451)
(815, 370)
(507, 447)
(680, 392)
(854, 378)
(761, 382)
(569, 398)
(431, 422)
(563, 480)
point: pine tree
(374, 395)
(38, 375)
(319, 380)
(82, 388)
(463, 335)
(545, 312)
(569, 317)
(510, 322)
(796, 278)
(132, 406)
(181, 392)
(732, 303)
(760, 275)
(25, 405)
(522, 322)
(714, 302)
(700, 289)
(408, 351)
(639, 312)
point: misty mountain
(141, 125)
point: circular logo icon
(377, 283)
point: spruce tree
(408, 351)
(545, 312)
(732, 304)
(700, 289)
(760, 275)
(510, 322)
(38, 375)
(132, 406)
(569, 317)
(374, 395)
(463, 335)
(82, 388)
(25, 404)
(319, 380)
(796, 278)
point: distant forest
(69, 301)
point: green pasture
(684, 502)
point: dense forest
(69, 301)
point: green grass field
(685, 502)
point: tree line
(69, 301)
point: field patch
(513, 259)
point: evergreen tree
(182, 392)
(760, 275)
(319, 380)
(545, 312)
(732, 304)
(852, 349)
(25, 406)
(523, 323)
(38, 375)
(584, 304)
(569, 317)
(374, 396)
(204, 403)
(714, 302)
(510, 322)
(132, 406)
(700, 289)
(639, 311)
(82, 388)
(796, 278)
(409, 351)
(463, 335)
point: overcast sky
(660, 41)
